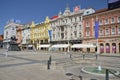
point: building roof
(54, 17)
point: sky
(37, 10)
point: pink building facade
(109, 31)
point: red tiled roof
(54, 17)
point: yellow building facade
(39, 33)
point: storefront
(44, 46)
(61, 47)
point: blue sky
(37, 10)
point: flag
(50, 34)
(96, 29)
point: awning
(30, 45)
(44, 45)
(60, 46)
(82, 46)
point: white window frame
(118, 30)
(100, 22)
(87, 33)
(112, 20)
(87, 24)
(119, 19)
(106, 21)
(107, 31)
(101, 32)
(113, 31)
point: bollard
(50, 58)
(48, 65)
(107, 74)
(80, 77)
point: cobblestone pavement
(30, 65)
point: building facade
(9, 32)
(67, 27)
(39, 34)
(25, 43)
(108, 32)
(1, 41)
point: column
(104, 47)
(110, 47)
(117, 47)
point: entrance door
(113, 48)
(101, 48)
(88, 49)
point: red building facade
(109, 30)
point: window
(66, 20)
(87, 24)
(113, 31)
(12, 28)
(62, 28)
(80, 27)
(75, 33)
(118, 19)
(80, 34)
(106, 21)
(119, 30)
(75, 27)
(80, 18)
(62, 35)
(107, 31)
(112, 20)
(101, 32)
(53, 36)
(87, 33)
(75, 19)
(100, 22)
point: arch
(107, 48)
(113, 47)
(101, 48)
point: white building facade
(67, 27)
(26, 36)
(9, 31)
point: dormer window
(87, 12)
